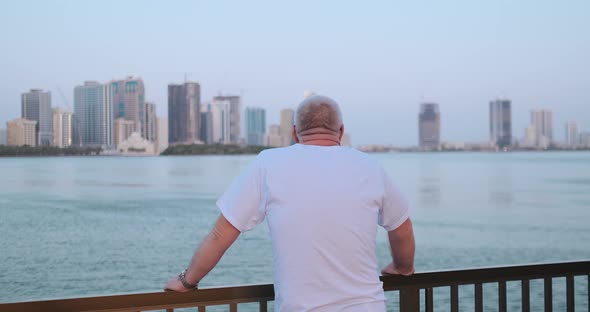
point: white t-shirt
(322, 205)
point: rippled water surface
(102, 225)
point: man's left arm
(207, 255)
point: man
(322, 203)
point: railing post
(409, 299)
(502, 302)
(479, 297)
(454, 298)
(428, 300)
(571, 298)
(548, 292)
(525, 296)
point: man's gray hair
(318, 111)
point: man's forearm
(211, 250)
(403, 247)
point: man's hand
(175, 285)
(391, 269)
(207, 255)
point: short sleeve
(243, 204)
(394, 207)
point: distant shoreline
(220, 150)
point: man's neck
(320, 137)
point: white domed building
(135, 145)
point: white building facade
(62, 128)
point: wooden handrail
(408, 286)
(486, 275)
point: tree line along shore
(198, 149)
(189, 149)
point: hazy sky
(379, 59)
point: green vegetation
(18, 151)
(213, 149)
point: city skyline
(539, 133)
(460, 56)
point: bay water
(87, 226)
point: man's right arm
(403, 247)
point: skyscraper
(162, 142)
(221, 120)
(184, 113)
(429, 126)
(542, 120)
(62, 128)
(93, 115)
(128, 96)
(234, 116)
(571, 134)
(151, 122)
(206, 123)
(21, 132)
(286, 126)
(36, 105)
(501, 123)
(585, 139)
(255, 125)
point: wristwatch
(187, 285)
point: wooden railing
(409, 291)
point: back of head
(318, 111)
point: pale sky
(378, 59)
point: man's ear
(295, 138)
(341, 133)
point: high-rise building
(221, 120)
(255, 126)
(571, 134)
(207, 124)
(274, 138)
(92, 121)
(286, 126)
(36, 105)
(62, 128)
(585, 139)
(2, 136)
(542, 120)
(162, 142)
(122, 130)
(501, 123)
(429, 126)
(128, 98)
(21, 132)
(151, 122)
(184, 113)
(234, 116)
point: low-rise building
(274, 138)
(21, 132)
(135, 145)
(2, 136)
(123, 130)
(345, 140)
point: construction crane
(74, 116)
